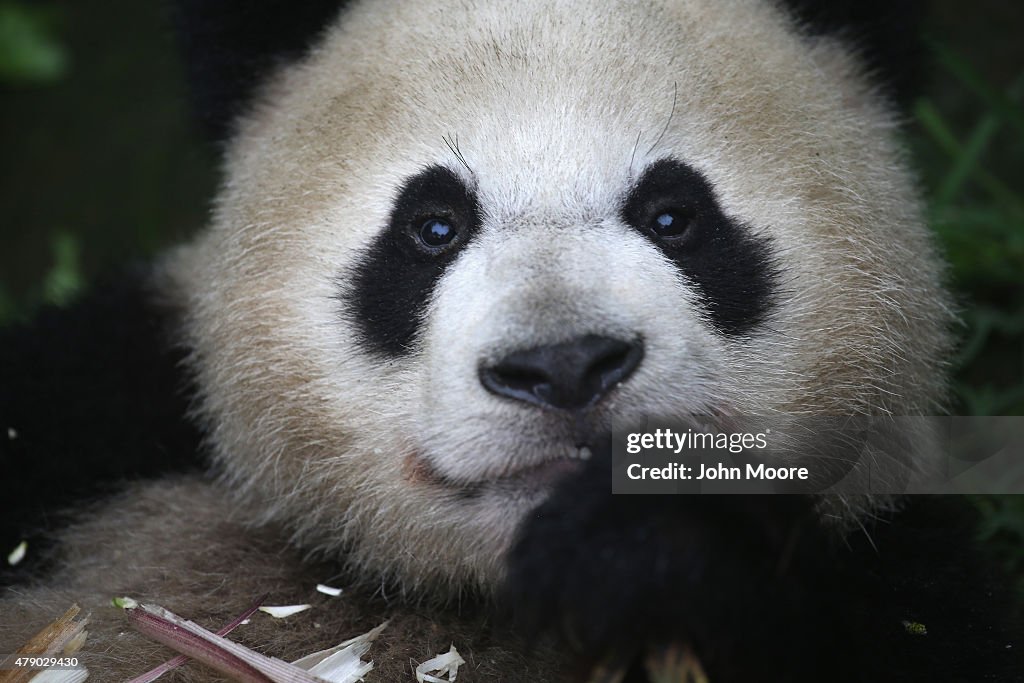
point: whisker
(675, 97)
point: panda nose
(567, 376)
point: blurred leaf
(982, 322)
(977, 210)
(64, 280)
(965, 165)
(29, 50)
(997, 102)
(1003, 514)
(1002, 528)
(976, 144)
(935, 124)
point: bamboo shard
(62, 637)
(159, 671)
(675, 664)
(672, 664)
(340, 664)
(229, 658)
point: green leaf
(29, 50)
(64, 280)
(998, 102)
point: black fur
(394, 279)
(731, 267)
(231, 45)
(886, 33)
(95, 395)
(760, 589)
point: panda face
(534, 329)
(454, 243)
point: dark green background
(99, 165)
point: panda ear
(885, 33)
(230, 46)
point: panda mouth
(419, 469)
(546, 473)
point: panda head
(455, 240)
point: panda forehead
(511, 143)
(574, 185)
(544, 159)
(550, 155)
(554, 90)
(562, 125)
(546, 136)
(547, 166)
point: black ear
(886, 34)
(231, 45)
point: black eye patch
(733, 269)
(434, 214)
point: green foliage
(61, 283)
(64, 279)
(1002, 528)
(29, 50)
(976, 208)
(1004, 516)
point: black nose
(567, 376)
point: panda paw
(746, 584)
(732, 588)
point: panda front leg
(185, 544)
(757, 588)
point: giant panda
(455, 242)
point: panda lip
(543, 474)
(420, 470)
(547, 470)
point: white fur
(557, 107)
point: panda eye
(436, 233)
(671, 222)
